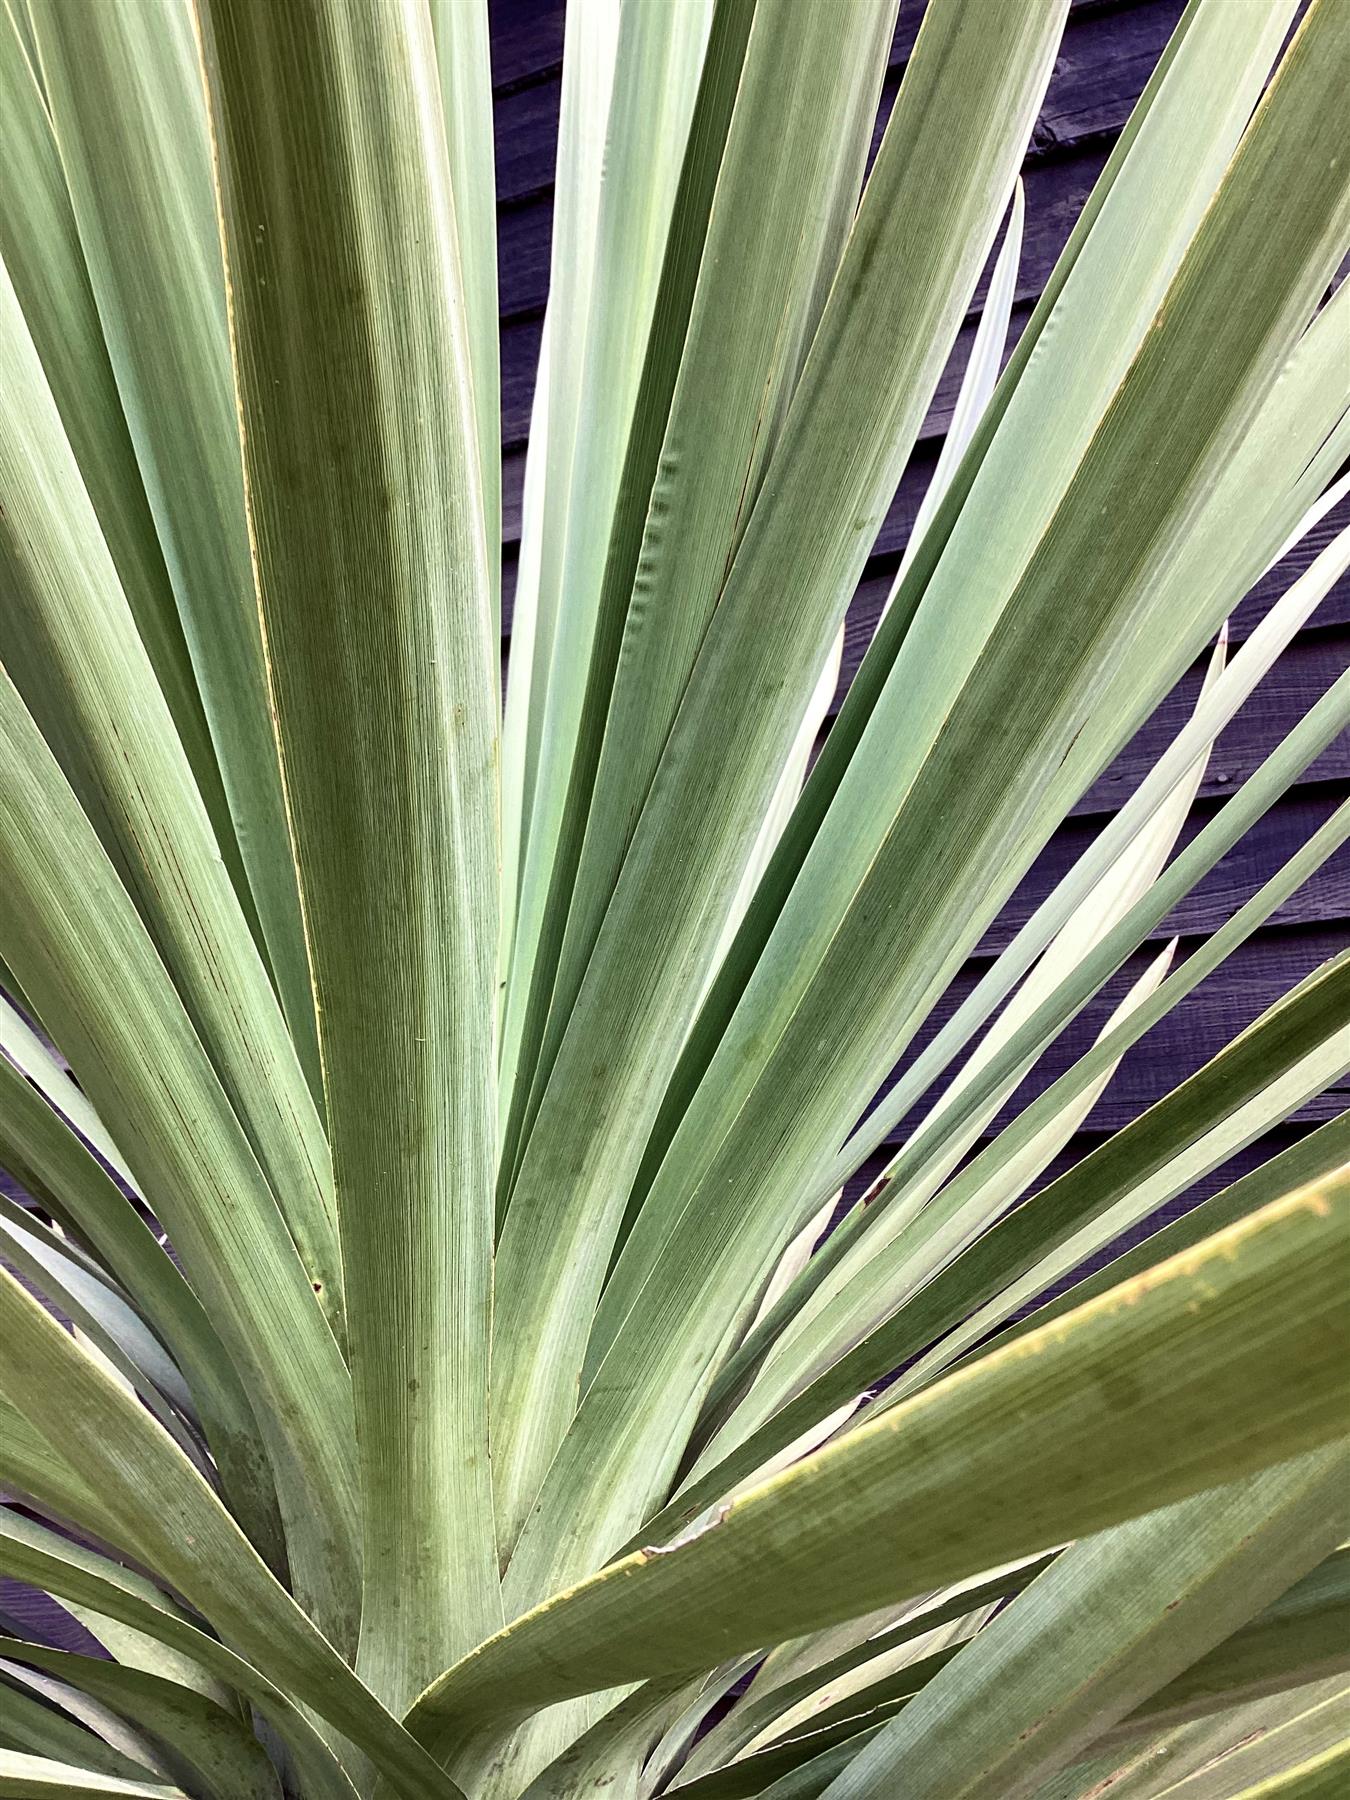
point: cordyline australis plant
(425, 1370)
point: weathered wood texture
(1109, 48)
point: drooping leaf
(68, 924)
(32, 1553)
(1113, 1620)
(40, 1778)
(1142, 1368)
(218, 1749)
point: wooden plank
(526, 132)
(527, 40)
(43, 1620)
(1105, 57)
(1300, 677)
(524, 243)
(520, 359)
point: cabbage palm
(427, 1367)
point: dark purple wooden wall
(1109, 49)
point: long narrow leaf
(40, 245)
(39, 1778)
(1050, 1218)
(366, 512)
(125, 93)
(67, 923)
(216, 1746)
(34, 1554)
(923, 228)
(50, 1163)
(193, 1541)
(69, 645)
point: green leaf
(31, 1465)
(1322, 1777)
(43, 1067)
(188, 1537)
(1112, 1621)
(50, 1163)
(766, 1702)
(864, 1290)
(656, 59)
(1309, 1076)
(1324, 720)
(148, 1757)
(1293, 1655)
(587, 87)
(28, 1724)
(460, 30)
(1017, 1243)
(977, 386)
(895, 901)
(1301, 1637)
(718, 85)
(924, 843)
(317, 970)
(107, 1325)
(70, 647)
(31, 1553)
(125, 92)
(1158, 1389)
(1309, 1159)
(922, 231)
(1269, 1745)
(1109, 899)
(1308, 1051)
(1287, 432)
(1286, 1651)
(217, 1747)
(365, 507)
(800, 185)
(614, 1747)
(39, 1778)
(697, 510)
(67, 923)
(1112, 272)
(883, 1350)
(40, 246)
